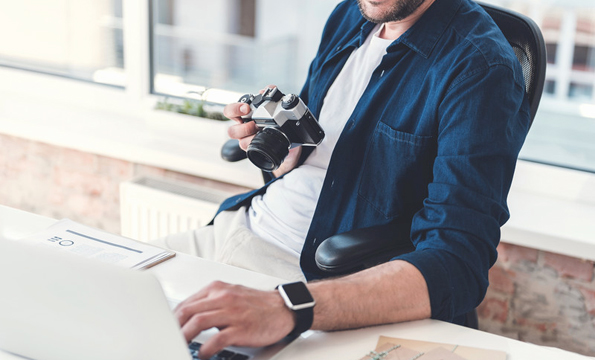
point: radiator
(151, 208)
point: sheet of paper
(67, 235)
(441, 353)
(402, 353)
(465, 352)
(392, 352)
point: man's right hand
(242, 131)
(245, 131)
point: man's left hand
(244, 316)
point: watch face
(298, 293)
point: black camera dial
(247, 99)
(290, 101)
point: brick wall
(542, 298)
(63, 183)
(534, 296)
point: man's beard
(399, 10)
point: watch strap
(303, 321)
(303, 317)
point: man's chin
(381, 11)
(371, 12)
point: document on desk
(70, 236)
(389, 348)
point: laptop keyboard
(223, 355)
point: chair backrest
(527, 42)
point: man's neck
(394, 29)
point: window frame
(137, 100)
(156, 137)
(79, 92)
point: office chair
(343, 253)
(363, 248)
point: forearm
(392, 292)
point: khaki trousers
(229, 241)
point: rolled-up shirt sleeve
(484, 119)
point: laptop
(59, 306)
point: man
(424, 108)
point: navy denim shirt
(433, 141)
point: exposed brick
(501, 280)
(549, 302)
(515, 254)
(589, 297)
(541, 327)
(91, 184)
(230, 188)
(77, 161)
(570, 267)
(115, 169)
(65, 183)
(43, 150)
(56, 198)
(140, 170)
(493, 309)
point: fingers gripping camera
(284, 122)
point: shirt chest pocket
(396, 172)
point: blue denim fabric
(433, 141)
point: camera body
(285, 122)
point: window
(244, 45)
(583, 58)
(549, 87)
(551, 50)
(564, 126)
(79, 39)
(240, 46)
(151, 49)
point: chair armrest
(363, 248)
(232, 152)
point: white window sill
(153, 137)
(552, 209)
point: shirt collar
(424, 34)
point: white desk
(183, 275)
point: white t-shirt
(284, 213)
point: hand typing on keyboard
(223, 355)
(244, 317)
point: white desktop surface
(183, 275)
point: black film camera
(285, 122)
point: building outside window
(240, 46)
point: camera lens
(268, 149)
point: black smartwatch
(299, 300)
